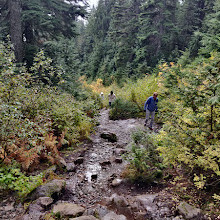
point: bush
(34, 117)
(12, 178)
(123, 109)
(145, 164)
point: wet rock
(44, 201)
(79, 160)
(116, 182)
(89, 217)
(112, 215)
(118, 160)
(119, 151)
(105, 163)
(48, 190)
(94, 177)
(71, 167)
(188, 211)
(111, 137)
(68, 209)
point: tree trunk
(16, 28)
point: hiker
(102, 96)
(150, 107)
(111, 98)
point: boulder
(88, 217)
(188, 211)
(68, 209)
(48, 189)
(111, 137)
(112, 215)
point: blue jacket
(151, 104)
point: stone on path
(188, 211)
(68, 209)
(88, 217)
(79, 160)
(111, 137)
(119, 151)
(118, 160)
(116, 182)
(70, 167)
(113, 216)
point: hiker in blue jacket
(150, 107)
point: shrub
(145, 164)
(12, 178)
(190, 136)
(123, 109)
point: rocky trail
(93, 188)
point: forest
(57, 56)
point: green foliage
(122, 109)
(30, 110)
(12, 178)
(145, 165)
(190, 108)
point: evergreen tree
(157, 36)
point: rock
(36, 216)
(44, 201)
(188, 211)
(68, 209)
(118, 160)
(99, 211)
(79, 160)
(88, 217)
(48, 190)
(116, 182)
(94, 176)
(35, 208)
(9, 207)
(105, 163)
(113, 216)
(120, 201)
(70, 167)
(178, 218)
(119, 151)
(111, 137)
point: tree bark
(16, 28)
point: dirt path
(102, 162)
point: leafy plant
(12, 178)
(122, 109)
(145, 164)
